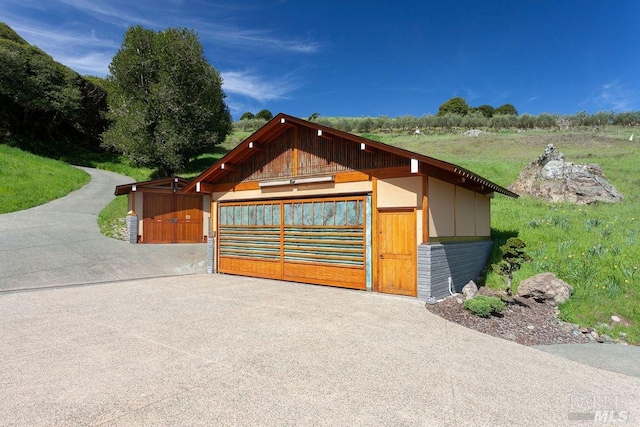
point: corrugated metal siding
(462, 261)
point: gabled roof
(168, 183)
(437, 168)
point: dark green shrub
(484, 306)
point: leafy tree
(474, 119)
(486, 110)
(167, 104)
(455, 105)
(313, 116)
(247, 116)
(46, 101)
(365, 125)
(513, 256)
(506, 110)
(264, 114)
(7, 33)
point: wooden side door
(158, 218)
(188, 219)
(397, 252)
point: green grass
(110, 162)
(110, 218)
(27, 180)
(595, 248)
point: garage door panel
(324, 245)
(346, 277)
(250, 242)
(250, 267)
(172, 218)
(317, 241)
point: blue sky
(354, 58)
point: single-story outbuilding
(303, 202)
(162, 214)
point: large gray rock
(470, 290)
(545, 287)
(553, 179)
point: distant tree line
(473, 120)
(459, 106)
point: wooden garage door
(172, 218)
(318, 241)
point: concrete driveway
(227, 350)
(59, 243)
(156, 343)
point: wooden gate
(318, 241)
(172, 218)
(397, 252)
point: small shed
(303, 202)
(164, 214)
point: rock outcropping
(553, 179)
(545, 287)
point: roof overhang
(170, 183)
(419, 163)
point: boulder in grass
(546, 288)
(553, 179)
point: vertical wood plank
(425, 209)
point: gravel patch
(523, 320)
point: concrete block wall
(462, 261)
(132, 228)
(211, 248)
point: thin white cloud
(82, 50)
(125, 15)
(85, 34)
(42, 36)
(94, 63)
(107, 11)
(617, 96)
(255, 39)
(251, 85)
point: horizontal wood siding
(250, 267)
(318, 241)
(344, 277)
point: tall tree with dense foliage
(486, 110)
(455, 105)
(264, 114)
(166, 102)
(506, 110)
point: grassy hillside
(594, 248)
(27, 180)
